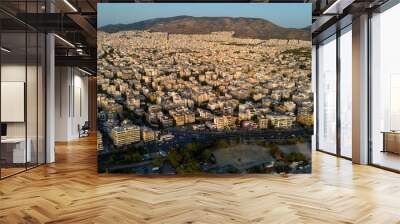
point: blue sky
(293, 15)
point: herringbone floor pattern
(70, 191)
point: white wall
(33, 127)
(62, 81)
(80, 109)
(12, 73)
(71, 94)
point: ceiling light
(5, 50)
(332, 7)
(64, 40)
(337, 7)
(70, 5)
(86, 72)
(79, 51)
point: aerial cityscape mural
(201, 89)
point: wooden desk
(13, 150)
(391, 141)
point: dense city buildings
(153, 84)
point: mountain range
(254, 28)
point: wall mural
(204, 88)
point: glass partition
(327, 95)
(22, 87)
(385, 89)
(346, 92)
(32, 98)
(13, 94)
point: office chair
(84, 130)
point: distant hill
(243, 27)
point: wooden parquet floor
(71, 191)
